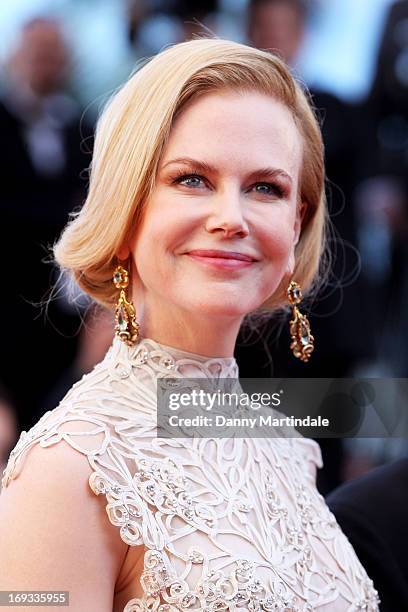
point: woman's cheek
(278, 246)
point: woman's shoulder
(92, 418)
(49, 508)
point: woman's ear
(300, 213)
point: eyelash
(179, 177)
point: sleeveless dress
(225, 524)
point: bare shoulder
(55, 533)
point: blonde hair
(130, 137)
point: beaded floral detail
(237, 590)
(226, 524)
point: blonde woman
(207, 187)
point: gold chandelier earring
(126, 326)
(302, 344)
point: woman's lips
(224, 261)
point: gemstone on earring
(122, 318)
(117, 277)
(304, 333)
(296, 293)
(120, 278)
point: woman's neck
(211, 336)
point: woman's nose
(227, 216)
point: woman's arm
(55, 534)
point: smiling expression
(219, 229)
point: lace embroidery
(227, 524)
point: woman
(210, 147)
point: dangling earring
(126, 328)
(302, 343)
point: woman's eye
(190, 180)
(268, 189)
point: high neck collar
(168, 360)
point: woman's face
(227, 182)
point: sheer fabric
(225, 524)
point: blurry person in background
(40, 62)
(381, 202)
(382, 198)
(41, 162)
(8, 428)
(278, 26)
(371, 511)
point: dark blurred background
(60, 61)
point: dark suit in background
(372, 511)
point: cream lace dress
(225, 524)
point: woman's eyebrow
(271, 173)
(208, 168)
(199, 165)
